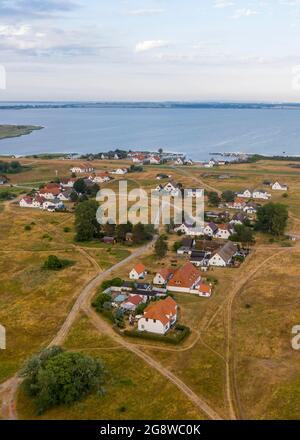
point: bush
(117, 282)
(67, 229)
(27, 228)
(100, 300)
(55, 377)
(55, 263)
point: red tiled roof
(166, 272)
(205, 288)
(139, 268)
(135, 299)
(186, 276)
(161, 310)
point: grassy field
(267, 370)
(132, 389)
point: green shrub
(55, 263)
(56, 377)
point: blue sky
(150, 49)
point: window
(154, 320)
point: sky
(150, 50)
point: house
(131, 303)
(247, 194)
(154, 160)
(238, 203)
(223, 257)
(68, 182)
(26, 202)
(250, 208)
(189, 162)
(38, 202)
(186, 247)
(84, 168)
(239, 218)
(138, 158)
(119, 299)
(119, 171)
(50, 191)
(261, 194)
(210, 229)
(138, 272)
(185, 279)
(53, 204)
(163, 276)
(179, 161)
(190, 230)
(183, 228)
(3, 180)
(224, 231)
(159, 316)
(200, 258)
(279, 186)
(109, 240)
(170, 187)
(209, 164)
(100, 177)
(65, 195)
(205, 290)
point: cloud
(36, 40)
(244, 12)
(38, 8)
(145, 12)
(223, 3)
(144, 46)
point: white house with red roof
(138, 272)
(163, 276)
(131, 303)
(155, 160)
(205, 290)
(26, 202)
(185, 279)
(159, 316)
(224, 231)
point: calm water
(193, 131)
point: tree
(55, 263)
(272, 218)
(176, 246)
(80, 186)
(161, 247)
(109, 229)
(100, 300)
(228, 196)
(141, 233)
(122, 230)
(57, 377)
(242, 234)
(213, 198)
(86, 224)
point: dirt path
(198, 180)
(105, 328)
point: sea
(197, 130)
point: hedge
(182, 333)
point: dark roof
(213, 226)
(227, 251)
(187, 242)
(143, 286)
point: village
(150, 286)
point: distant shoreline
(12, 131)
(150, 105)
